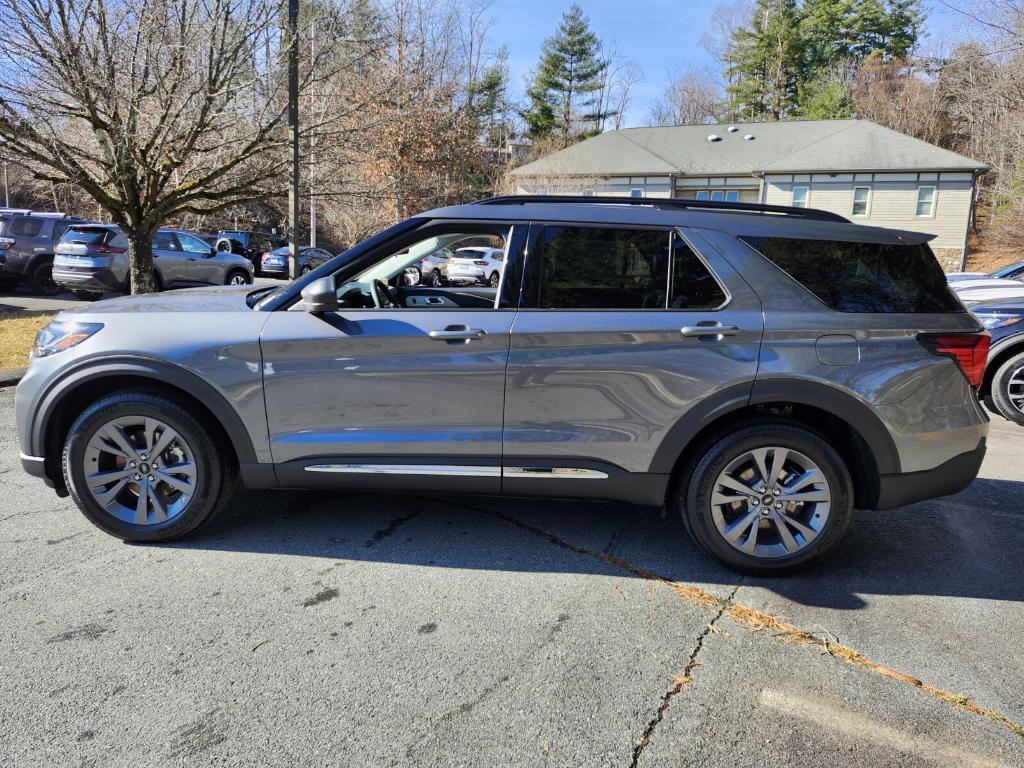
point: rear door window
(26, 227)
(602, 268)
(165, 241)
(863, 277)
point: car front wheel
(768, 498)
(435, 279)
(1008, 389)
(141, 468)
(239, 277)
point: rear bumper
(948, 478)
(86, 279)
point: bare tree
(691, 97)
(154, 108)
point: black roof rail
(666, 202)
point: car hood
(985, 282)
(212, 299)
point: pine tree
(766, 61)
(565, 86)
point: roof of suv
(735, 218)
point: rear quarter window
(27, 227)
(862, 277)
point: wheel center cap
(768, 500)
(144, 468)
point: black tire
(696, 490)
(435, 279)
(990, 404)
(494, 280)
(41, 281)
(1009, 375)
(214, 477)
(88, 295)
(237, 273)
(9, 283)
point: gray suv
(27, 243)
(92, 259)
(759, 370)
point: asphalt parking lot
(357, 629)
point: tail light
(480, 263)
(968, 350)
(94, 248)
(5, 243)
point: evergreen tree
(766, 59)
(564, 91)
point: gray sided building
(856, 168)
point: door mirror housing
(320, 296)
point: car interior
(394, 282)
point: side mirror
(320, 296)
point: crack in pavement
(680, 681)
(757, 621)
(390, 528)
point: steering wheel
(380, 292)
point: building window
(861, 198)
(636, 193)
(926, 201)
(732, 196)
(702, 195)
(718, 195)
(801, 196)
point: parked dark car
(1003, 387)
(27, 243)
(275, 263)
(251, 245)
(760, 371)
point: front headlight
(60, 335)
(999, 321)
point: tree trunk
(141, 275)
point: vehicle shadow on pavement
(968, 545)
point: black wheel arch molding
(730, 400)
(160, 372)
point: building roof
(791, 146)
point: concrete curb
(9, 377)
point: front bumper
(86, 278)
(946, 479)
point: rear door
(170, 262)
(621, 333)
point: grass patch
(17, 334)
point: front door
(409, 390)
(203, 269)
(623, 331)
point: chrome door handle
(458, 334)
(710, 329)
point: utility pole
(293, 134)
(7, 189)
(312, 139)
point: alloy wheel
(238, 279)
(770, 502)
(140, 470)
(1015, 389)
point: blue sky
(659, 35)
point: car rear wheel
(767, 498)
(41, 280)
(435, 279)
(494, 279)
(142, 469)
(1008, 389)
(238, 277)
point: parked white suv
(477, 265)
